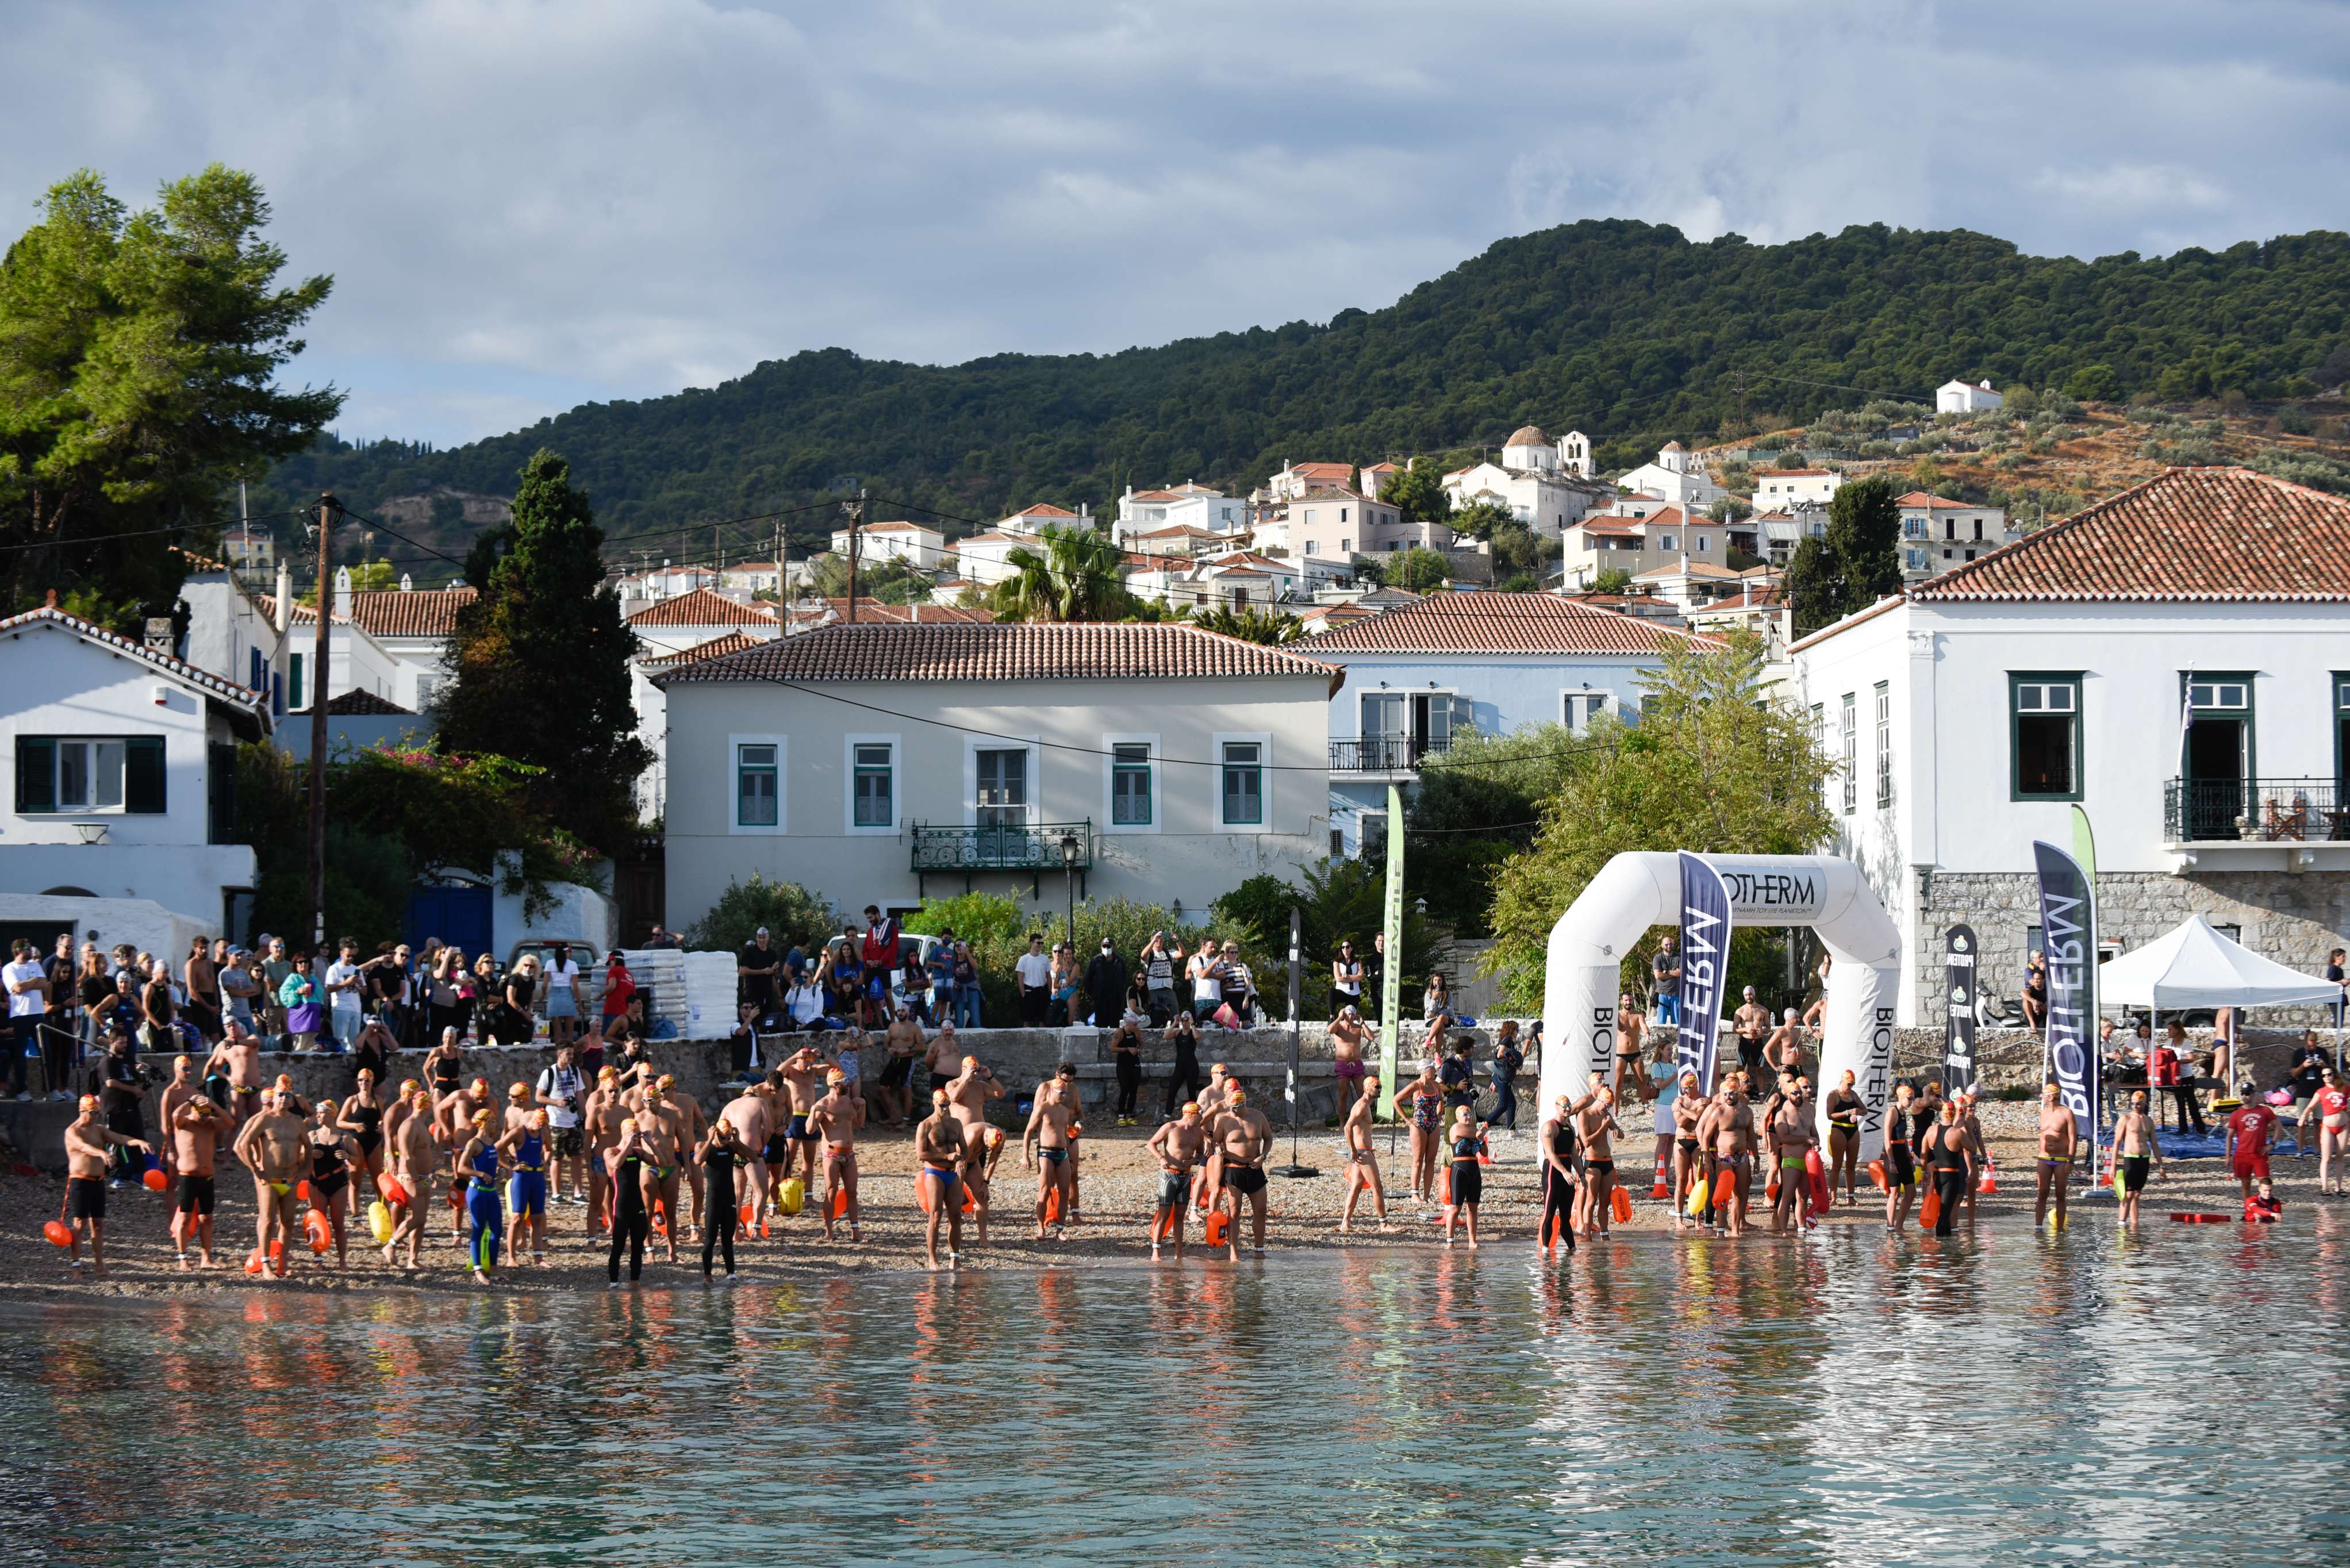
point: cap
(667, 1080)
(1191, 1108)
(517, 1091)
(836, 1076)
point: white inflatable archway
(1635, 892)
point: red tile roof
(702, 607)
(1004, 651)
(730, 642)
(875, 612)
(1489, 621)
(1928, 500)
(1043, 510)
(1323, 469)
(2188, 534)
(394, 612)
(356, 703)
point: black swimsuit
(370, 1136)
(327, 1174)
(1468, 1176)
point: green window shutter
(143, 775)
(36, 774)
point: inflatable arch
(1635, 892)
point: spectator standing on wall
(942, 963)
(877, 957)
(1036, 969)
(1665, 970)
(1061, 1009)
(1207, 972)
(2335, 972)
(966, 979)
(756, 968)
(1105, 976)
(1159, 960)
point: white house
(1937, 535)
(1545, 485)
(1339, 523)
(2174, 659)
(1677, 476)
(691, 625)
(1641, 534)
(1296, 478)
(1141, 511)
(1780, 532)
(983, 560)
(122, 771)
(392, 643)
(1033, 520)
(1785, 489)
(1158, 762)
(750, 577)
(916, 544)
(1957, 397)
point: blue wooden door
(458, 913)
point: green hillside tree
(542, 665)
(1419, 493)
(139, 353)
(1855, 563)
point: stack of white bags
(708, 995)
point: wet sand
(1118, 1186)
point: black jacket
(1106, 987)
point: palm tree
(1248, 625)
(1078, 575)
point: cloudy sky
(528, 204)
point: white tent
(2195, 966)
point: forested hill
(1625, 330)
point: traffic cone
(1660, 1189)
(1989, 1185)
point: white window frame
(1263, 740)
(1849, 721)
(1881, 699)
(972, 745)
(734, 744)
(848, 823)
(1106, 822)
(1569, 696)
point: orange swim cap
(517, 1091)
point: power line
(144, 533)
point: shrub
(2293, 420)
(975, 917)
(793, 916)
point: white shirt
(1035, 969)
(563, 1081)
(1205, 987)
(564, 976)
(24, 1004)
(805, 1001)
(339, 973)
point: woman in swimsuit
(1425, 1098)
(1689, 1109)
(1843, 1109)
(1943, 1148)
(1902, 1126)
(362, 1117)
(1467, 1175)
(2331, 1106)
(525, 1146)
(331, 1152)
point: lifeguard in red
(2250, 1129)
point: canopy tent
(2195, 966)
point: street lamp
(1069, 867)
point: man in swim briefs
(1348, 1033)
(803, 1086)
(1045, 1149)
(1631, 1034)
(1792, 1136)
(1784, 1052)
(1178, 1146)
(195, 1126)
(414, 1157)
(657, 1125)
(938, 1158)
(746, 1113)
(2136, 1144)
(836, 1118)
(2060, 1139)
(1734, 1150)
(1752, 1022)
(606, 1109)
(1362, 1161)
(271, 1146)
(1243, 1134)
(89, 1145)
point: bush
(974, 918)
(793, 916)
(2293, 420)
(2093, 384)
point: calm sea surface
(2178, 1398)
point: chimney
(284, 595)
(343, 592)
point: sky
(526, 206)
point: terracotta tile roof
(1612, 527)
(203, 680)
(874, 612)
(1042, 510)
(1005, 650)
(1689, 569)
(1383, 468)
(393, 612)
(1179, 530)
(1928, 500)
(898, 527)
(1323, 469)
(702, 607)
(732, 642)
(1487, 621)
(1331, 492)
(1159, 495)
(992, 536)
(356, 703)
(2188, 534)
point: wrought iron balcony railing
(1381, 754)
(2253, 811)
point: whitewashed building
(2174, 659)
(122, 762)
(1939, 535)
(1958, 397)
(1678, 476)
(918, 545)
(1158, 762)
(1785, 489)
(1545, 484)
(1186, 505)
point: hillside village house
(1336, 525)
(877, 763)
(673, 633)
(1640, 534)
(1937, 535)
(1957, 397)
(2175, 658)
(1296, 478)
(391, 643)
(1492, 662)
(1677, 476)
(919, 546)
(1785, 489)
(1186, 505)
(1545, 484)
(122, 774)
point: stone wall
(2013, 1058)
(2291, 918)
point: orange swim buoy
(301, 1192)
(1932, 1209)
(322, 1235)
(58, 1232)
(1052, 1205)
(253, 1265)
(392, 1191)
(743, 1219)
(839, 1201)
(155, 1181)
(1621, 1202)
(1770, 1192)
(1219, 1223)
(1725, 1188)
(1876, 1174)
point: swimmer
(1466, 1189)
(1561, 1174)
(416, 1161)
(749, 1114)
(334, 1156)
(1784, 1052)
(1595, 1124)
(687, 1124)
(270, 1145)
(720, 1154)
(478, 1161)
(1631, 1031)
(182, 1088)
(600, 1122)
(1844, 1106)
(1689, 1107)
(835, 1119)
(803, 1086)
(90, 1144)
(1178, 1146)
(1362, 1163)
(2331, 1106)
(1423, 1100)
(362, 1117)
(1905, 1123)
(2060, 1141)
(663, 1155)
(1732, 1132)
(1045, 1149)
(1753, 1023)
(2136, 1140)
(630, 1223)
(982, 1152)
(196, 1126)
(938, 1160)
(1243, 1134)
(1790, 1138)
(1942, 1150)
(526, 1151)
(1977, 1152)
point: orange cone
(1989, 1185)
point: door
(457, 914)
(1386, 731)
(1002, 807)
(2218, 759)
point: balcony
(2253, 811)
(1029, 849)
(1383, 754)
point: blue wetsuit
(527, 1188)
(482, 1206)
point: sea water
(2174, 1397)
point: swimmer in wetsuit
(719, 1156)
(524, 1147)
(478, 1164)
(1844, 1107)
(1943, 1146)
(1904, 1121)
(1561, 1177)
(1465, 1143)
(1178, 1144)
(631, 1222)
(938, 1159)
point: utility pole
(328, 509)
(856, 510)
(782, 591)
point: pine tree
(542, 664)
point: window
(1950, 527)
(1342, 514)
(1851, 755)
(1345, 545)
(1581, 707)
(1130, 784)
(1665, 541)
(1313, 547)
(874, 786)
(1884, 745)
(427, 688)
(1701, 539)
(1003, 788)
(1243, 793)
(757, 778)
(1979, 533)
(2044, 722)
(2228, 695)
(1916, 560)
(57, 774)
(1371, 833)
(1913, 528)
